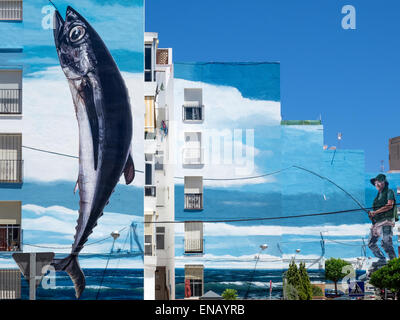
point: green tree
(229, 294)
(334, 270)
(388, 277)
(297, 285)
(305, 285)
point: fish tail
(71, 266)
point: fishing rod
(329, 180)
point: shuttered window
(193, 237)
(10, 158)
(150, 115)
(394, 153)
(10, 10)
(148, 233)
(11, 91)
(193, 193)
(10, 284)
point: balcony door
(10, 92)
(10, 158)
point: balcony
(11, 10)
(192, 156)
(194, 201)
(11, 171)
(194, 247)
(10, 238)
(10, 101)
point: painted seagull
(104, 117)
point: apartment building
(11, 157)
(159, 266)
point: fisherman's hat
(380, 177)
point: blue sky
(350, 77)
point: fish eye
(77, 33)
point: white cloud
(224, 229)
(227, 115)
(62, 221)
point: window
(149, 191)
(194, 278)
(160, 238)
(148, 63)
(193, 193)
(192, 112)
(11, 158)
(10, 91)
(10, 226)
(148, 245)
(149, 174)
(10, 284)
(159, 164)
(193, 109)
(150, 118)
(148, 233)
(193, 237)
(11, 10)
(192, 151)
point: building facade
(159, 264)
(39, 141)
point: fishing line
(325, 178)
(89, 244)
(53, 5)
(262, 218)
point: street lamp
(294, 258)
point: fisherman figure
(383, 219)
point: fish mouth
(59, 23)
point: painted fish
(103, 111)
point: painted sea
(127, 284)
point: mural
(99, 147)
(294, 173)
(105, 126)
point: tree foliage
(387, 277)
(297, 285)
(316, 291)
(334, 270)
(229, 294)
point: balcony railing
(10, 237)
(194, 246)
(192, 156)
(11, 10)
(11, 171)
(10, 101)
(193, 201)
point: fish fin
(129, 171)
(71, 265)
(87, 94)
